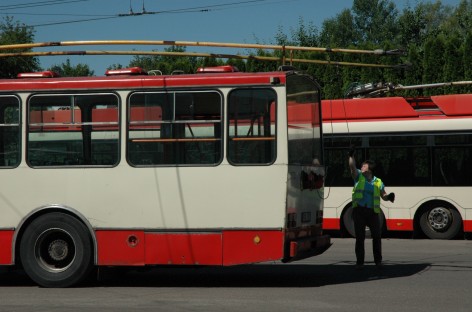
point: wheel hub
(439, 218)
(58, 250)
(55, 250)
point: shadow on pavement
(260, 275)
(278, 275)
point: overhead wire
(74, 21)
(37, 4)
(61, 14)
(96, 17)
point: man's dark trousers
(363, 217)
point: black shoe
(359, 267)
(379, 265)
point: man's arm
(352, 163)
(352, 167)
(384, 195)
(387, 197)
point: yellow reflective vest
(358, 192)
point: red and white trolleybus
(423, 150)
(128, 169)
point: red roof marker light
(43, 74)
(126, 71)
(217, 69)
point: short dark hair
(371, 164)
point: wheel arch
(43, 210)
(342, 225)
(345, 231)
(431, 203)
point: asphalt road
(419, 275)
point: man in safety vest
(366, 194)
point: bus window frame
(173, 121)
(272, 138)
(118, 124)
(19, 129)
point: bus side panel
(252, 246)
(6, 239)
(184, 248)
(120, 247)
(331, 223)
(135, 248)
(467, 225)
(400, 224)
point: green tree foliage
(339, 31)
(12, 32)
(168, 64)
(115, 66)
(436, 37)
(68, 70)
(375, 20)
(467, 58)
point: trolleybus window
(338, 173)
(452, 158)
(10, 134)
(402, 160)
(251, 122)
(73, 130)
(405, 160)
(174, 128)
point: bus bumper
(306, 247)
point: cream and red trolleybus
(423, 150)
(216, 168)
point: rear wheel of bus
(56, 250)
(440, 221)
(348, 222)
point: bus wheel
(56, 250)
(440, 222)
(348, 222)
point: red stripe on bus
(400, 224)
(123, 82)
(252, 246)
(331, 224)
(184, 248)
(392, 224)
(135, 248)
(467, 225)
(120, 247)
(6, 243)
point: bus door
(305, 170)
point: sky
(235, 21)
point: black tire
(440, 222)
(56, 250)
(348, 222)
